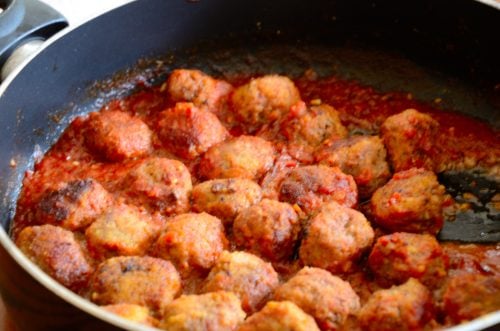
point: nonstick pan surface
(431, 49)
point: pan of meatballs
(256, 165)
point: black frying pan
(415, 46)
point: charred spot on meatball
(74, 206)
(145, 281)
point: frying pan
(450, 48)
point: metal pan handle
(24, 25)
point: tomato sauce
(463, 143)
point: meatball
(327, 298)
(403, 307)
(56, 252)
(161, 184)
(134, 313)
(197, 87)
(74, 206)
(144, 281)
(308, 129)
(249, 277)
(467, 296)
(311, 186)
(409, 138)
(191, 241)
(269, 228)
(363, 157)
(118, 136)
(412, 201)
(335, 238)
(246, 156)
(279, 316)
(121, 230)
(206, 312)
(398, 257)
(264, 100)
(189, 131)
(225, 198)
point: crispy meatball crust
(245, 156)
(279, 316)
(467, 296)
(121, 230)
(269, 228)
(314, 126)
(189, 131)
(225, 198)
(191, 241)
(56, 251)
(132, 312)
(363, 157)
(327, 298)
(397, 257)
(405, 307)
(118, 135)
(409, 138)
(144, 281)
(74, 206)
(336, 237)
(245, 274)
(311, 186)
(199, 88)
(161, 184)
(412, 201)
(264, 99)
(205, 312)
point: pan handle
(24, 25)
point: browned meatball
(264, 100)
(56, 252)
(162, 184)
(279, 316)
(225, 198)
(144, 281)
(121, 230)
(206, 312)
(249, 277)
(412, 201)
(74, 206)
(308, 129)
(398, 257)
(269, 228)
(246, 156)
(132, 312)
(409, 137)
(405, 307)
(197, 87)
(189, 131)
(335, 238)
(311, 186)
(118, 135)
(363, 157)
(327, 298)
(191, 241)
(467, 296)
